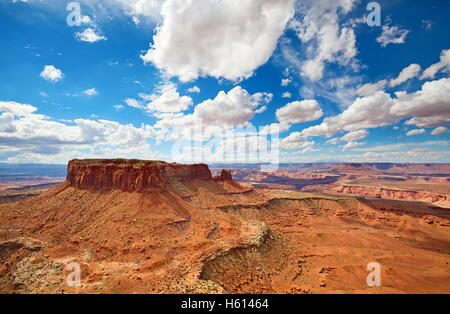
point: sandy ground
(221, 239)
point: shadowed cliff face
(132, 175)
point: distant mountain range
(32, 170)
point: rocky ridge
(132, 175)
(154, 227)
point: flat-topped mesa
(132, 175)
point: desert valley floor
(154, 227)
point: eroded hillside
(153, 227)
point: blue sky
(135, 77)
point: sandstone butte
(132, 175)
(154, 227)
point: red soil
(153, 227)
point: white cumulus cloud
(371, 88)
(167, 99)
(299, 111)
(133, 103)
(223, 39)
(142, 8)
(355, 136)
(90, 35)
(231, 109)
(227, 110)
(440, 130)
(52, 74)
(351, 145)
(429, 106)
(285, 82)
(194, 89)
(327, 41)
(91, 92)
(296, 140)
(415, 132)
(406, 74)
(442, 65)
(365, 112)
(32, 134)
(392, 35)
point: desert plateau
(225, 155)
(154, 227)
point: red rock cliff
(131, 175)
(224, 175)
(386, 193)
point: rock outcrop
(132, 175)
(224, 175)
(387, 193)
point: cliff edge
(132, 175)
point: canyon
(429, 183)
(138, 226)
